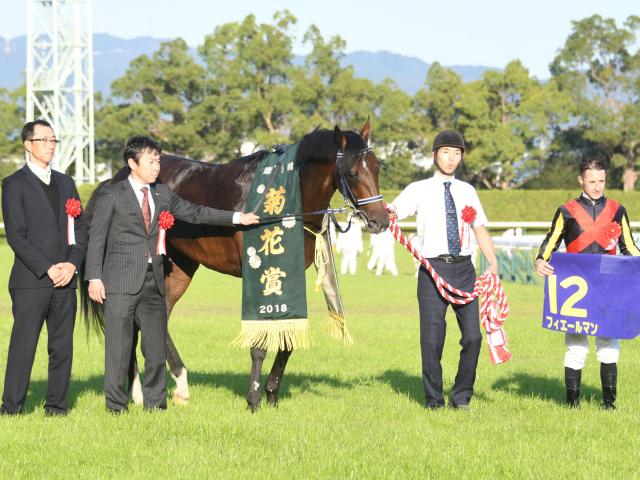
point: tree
(436, 102)
(599, 71)
(505, 118)
(249, 69)
(11, 121)
(163, 89)
(394, 135)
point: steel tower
(60, 80)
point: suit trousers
(31, 308)
(147, 311)
(433, 327)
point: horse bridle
(350, 200)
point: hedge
(499, 205)
(536, 205)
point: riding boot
(609, 379)
(572, 381)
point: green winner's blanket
(274, 299)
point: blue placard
(595, 295)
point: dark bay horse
(327, 161)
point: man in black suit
(127, 273)
(42, 284)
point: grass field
(345, 412)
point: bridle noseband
(349, 197)
(350, 200)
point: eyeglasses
(45, 140)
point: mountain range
(112, 56)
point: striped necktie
(146, 211)
(453, 234)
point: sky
(480, 32)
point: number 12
(567, 307)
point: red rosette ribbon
(612, 232)
(73, 207)
(165, 221)
(469, 215)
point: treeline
(245, 87)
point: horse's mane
(319, 145)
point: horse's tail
(92, 312)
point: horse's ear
(366, 130)
(339, 138)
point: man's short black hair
(592, 162)
(137, 144)
(29, 127)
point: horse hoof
(136, 392)
(180, 399)
(272, 399)
(252, 407)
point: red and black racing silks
(582, 224)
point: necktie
(453, 234)
(146, 211)
(46, 177)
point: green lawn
(344, 412)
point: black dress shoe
(8, 413)
(53, 412)
(463, 406)
(116, 411)
(157, 408)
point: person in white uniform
(382, 253)
(349, 245)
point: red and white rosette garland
(612, 232)
(73, 207)
(494, 307)
(165, 221)
(469, 215)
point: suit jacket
(36, 234)
(118, 241)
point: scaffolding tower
(60, 80)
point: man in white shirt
(447, 211)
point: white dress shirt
(137, 189)
(44, 174)
(426, 199)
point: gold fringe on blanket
(274, 335)
(336, 327)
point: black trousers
(433, 331)
(147, 311)
(31, 308)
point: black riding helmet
(449, 138)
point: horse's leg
(178, 373)
(135, 386)
(253, 395)
(275, 377)
(178, 274)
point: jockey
(582, 224)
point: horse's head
(356, 176)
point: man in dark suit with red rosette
(125, 268)
(48, 234)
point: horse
(328, 160)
